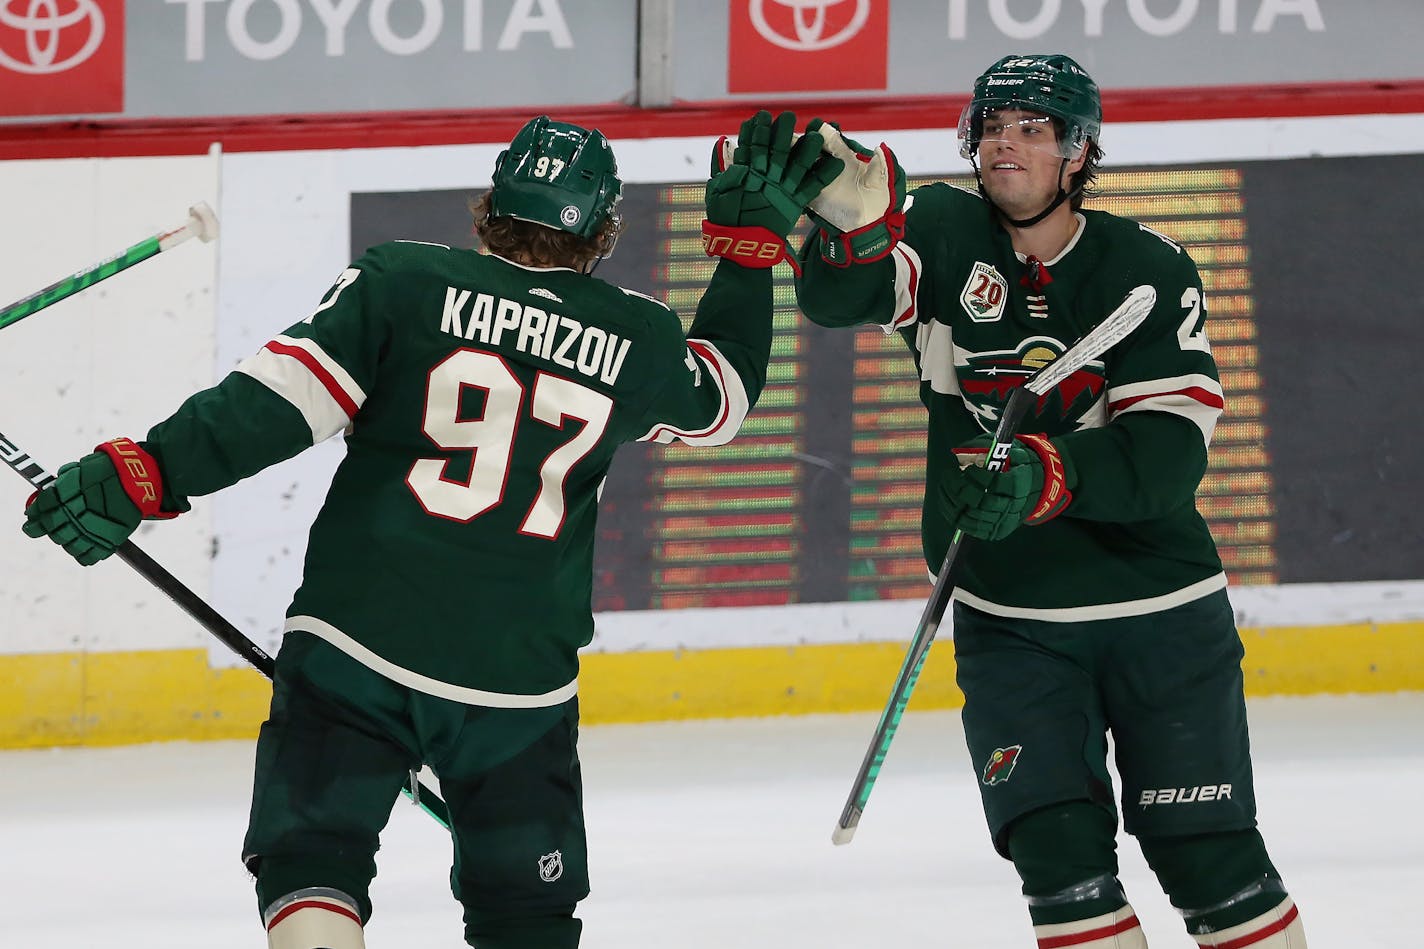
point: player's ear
(1075, 165)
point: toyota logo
(42, 25)
(808, 18)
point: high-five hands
(760, 187)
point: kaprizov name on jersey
(559, 339)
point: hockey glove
(760, 188)
(861, 213)
(1032, 487)
(97, 502)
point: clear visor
(1020, 125)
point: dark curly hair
(1082, 184)
(538, 245)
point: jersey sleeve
(883, 292)
(719, 369)
(302, 387)
(1163, 399)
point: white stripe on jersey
(732, 412)
(935, 343)
(1195, 397)
(425, 684)
(301, 372)
(1083, 614)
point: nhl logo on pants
(551, 866)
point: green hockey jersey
(1134, 426)
(482, 402)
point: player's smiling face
(1020, 161)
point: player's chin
(1009, 197)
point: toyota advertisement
(61, 56)
(212, 58)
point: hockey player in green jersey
(448, 576)
(1089, 597)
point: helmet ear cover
(1052, 85)
(559, 175)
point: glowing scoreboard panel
(726, 522)
(728, 526)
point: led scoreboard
(818, 498)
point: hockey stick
(1099, 340)
(201, 223)
(198, 608)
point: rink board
(97, 657)
(113, 698)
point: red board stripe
(192, 136)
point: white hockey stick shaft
(1113, 328)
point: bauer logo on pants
(61, 57)
(1001, 764)
(551, 866)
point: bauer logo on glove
(720, 241)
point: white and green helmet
(1051, 84)
(559, 175)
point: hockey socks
(1116, 930)
(1277, 928)
(317, 918)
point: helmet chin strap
(1029, 221)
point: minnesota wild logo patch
(1001, 764)
(987, 379)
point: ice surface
(706, 835)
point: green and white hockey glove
(861, 213)
(97, 502)
(1032, 487)
(760, 188)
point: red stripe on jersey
(1204, 396)
(1092, 935)
(328, 381)
(1250, 939)
(911, 314)
(705, 351)
(332, 907)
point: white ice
(708, 835)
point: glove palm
(861, 212)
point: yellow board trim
(114, 698)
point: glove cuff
(748, 245)
(139, 476)
(1055, 496)
(864, 244)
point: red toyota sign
(60, 57)
(807, 45)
